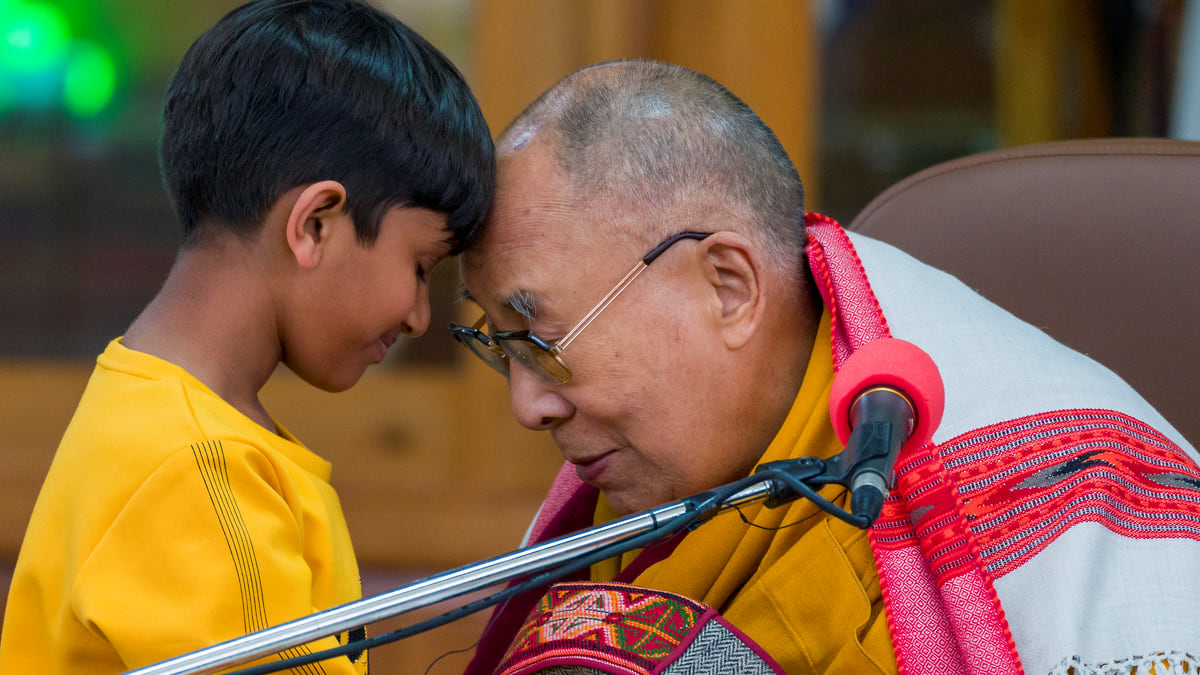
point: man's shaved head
(649, 134)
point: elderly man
(1051, 525)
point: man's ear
(308, 220)
(733, 269)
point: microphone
(887, 396)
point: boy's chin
(331, 382)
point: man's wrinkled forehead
(538, 240)
(513, 276)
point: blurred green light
(8, 97)
(33, 36)
(89, 81)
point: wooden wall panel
(36, 402)
(765, 52)
(1051, 72)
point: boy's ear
(733, 270)
(308, 220)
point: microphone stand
(775, 484)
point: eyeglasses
(535, 354)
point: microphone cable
(804, 490)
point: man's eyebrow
(522, 302)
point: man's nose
(536, 404)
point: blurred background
(433, 471)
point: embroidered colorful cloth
(616, 628)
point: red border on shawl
(858, 319)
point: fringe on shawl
(1163, 663)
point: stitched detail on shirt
(210, 461)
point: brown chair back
(1097, 242)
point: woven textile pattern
(621, 625)
(1022, 483)
(716, 651)
(857, 318)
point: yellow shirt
(168, 522)
(808, 594)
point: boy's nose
(417, 321)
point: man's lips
(590, 469)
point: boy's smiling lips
(385, 343)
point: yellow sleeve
(209, 548)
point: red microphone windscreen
(890, 362)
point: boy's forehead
(422, 228)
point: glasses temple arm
(604, 302)
(612, 295)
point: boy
(323, 158)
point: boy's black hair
(282, 93)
